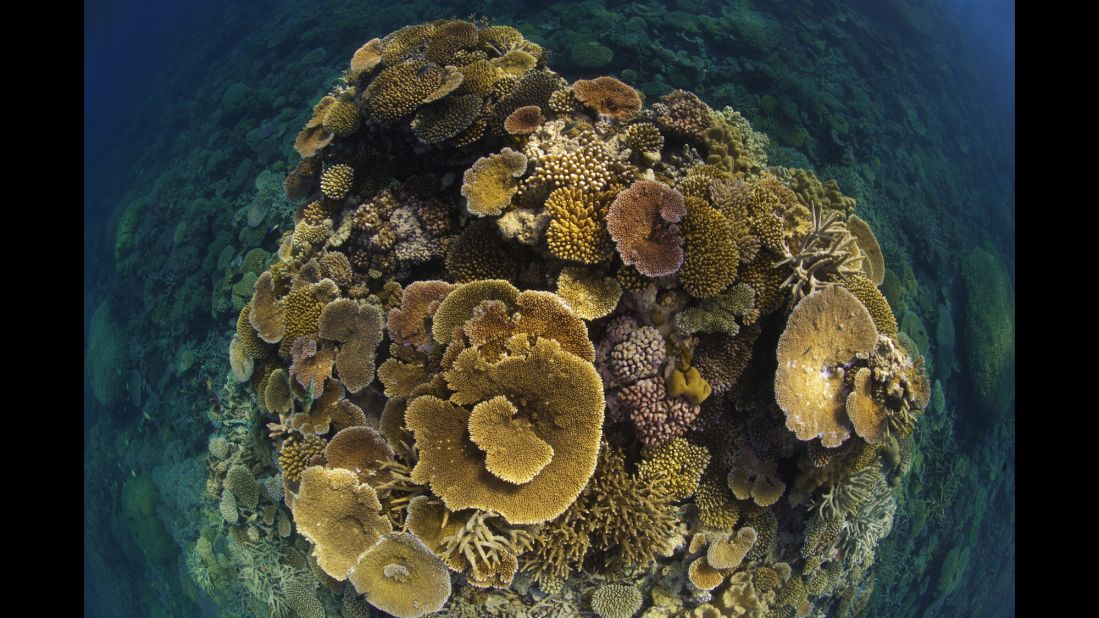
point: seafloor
(183, 184)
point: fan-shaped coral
(491, 182)
(642, 221)
(401, 576)
(825, 331)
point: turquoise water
(191, 111)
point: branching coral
(827, 251)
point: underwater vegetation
(551, 347)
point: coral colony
(540, 348)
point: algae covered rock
(989, 335)
(139, 500)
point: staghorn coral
(489, 185)
(642, 221)
(827, 254)
(825, 331)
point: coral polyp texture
(567, 350)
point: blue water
(186, 103)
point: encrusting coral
(561, 335)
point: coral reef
(561, 335)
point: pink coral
(656, 417)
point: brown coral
(366, 57)
(524, 120)
(728, 553)
(268, 314)
(313, 137)
(362, 450)
(359, 328)
(826, 330)
(409, 323)
(340, 516)
(642, 221)
(608, 97)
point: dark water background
(910, 106)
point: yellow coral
(616, 601)
(677, 465)
(478, 254)
(401, 576)
(691, 385)
(400, 90)
(590, 295)
(489, 185)
(874, 301)
(341, 119)
(826, 330)
(577, 231)
(728, 553)
(712, 255)
(297, 455)
(336, 181)
(559, 394)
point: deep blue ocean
(191, 110)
